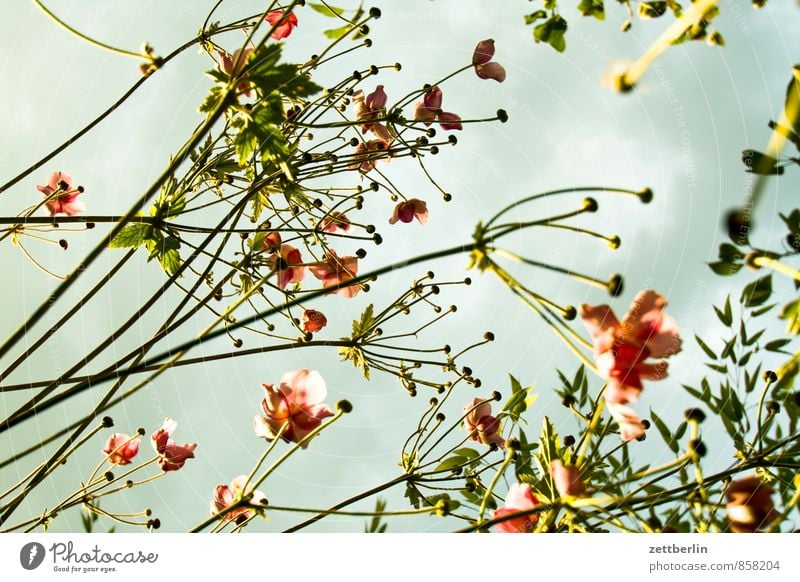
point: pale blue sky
(681, 133)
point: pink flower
(750, 507)
(232, 65)
(335, 221)
(481, 425)
(621, 349)
(225, 496)
(296, 403)
(630, 425)
(286, 26)
(61, 196)
(368, 153)
(314, 320)
(430, 108)
(369, 110)
(335, 270)
(121, 449)
(288, 264)
(481, 61)
(519, 498)
(567, 479)
(272, 242)
(171, 456)
(409, 210)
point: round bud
(568, 400)
(377, 238)
(237, 343)
(512, 444)
(344, 406)
(466, 370)
(645, 195)
(488, 336)
(63, 244)
(109, 476)
(615, 285)
(440, 417)
(569, 440)
(477, 383)
(646, 424)
(141, 431)
(570, 312)
(89, 225)
(694, 415)
(375, 12)
(770, 377)
(467, 281)
(107, 422)
(370, 228)
(773, 407)
(496, 396)
(590, 205)
(796, 397)
(614, 242)
(156, 523)
(452, 139)
(361, 253)
(502, 115)
(374, 70)
(447, 197)
(697, 447)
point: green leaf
(777, 345)
(757, 292)
(552, 32)
(327, 9)
(762, 164)
(451, 463)
(518, 402)
(336, 33)
(538, 15)
(709, 352)
(592, 8)
(215, 95)
(726, 316)
(791, 313)
(724, 269)
(664, 431)
(132, 235)
(364, 324)
(375, 525)
(259, 134)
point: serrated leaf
(552, 32)
(132, 235)
(364, 324)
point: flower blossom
(630, 425)
(750, 507)
(334, 222)
(296, 403)
(121, 449)
(430, 109)
(369, 110)
(335, 270)
(171, 455)
(519, 498)
(61, 196)
(233, 64)
(622, 349)
(485, 68)
(225, 496)
(287, 23)
(314, 320)
(271, 242)
(481, 425)
(567, 480)
(367, 153)
(409, 210)
(288, 264)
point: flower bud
(694, 415)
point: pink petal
(377, 99)
(599, 321)
(491, 71)
(304, 387)
(449, 121)
(433, 99)
(519, 497)
(484, 52)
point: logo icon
(31, 555)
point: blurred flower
(519, 498)
(409, 210)
(630, 425)
(225, 496)
(232, 65)
(314, 320)
(121, 449)
(615, 76)
(297, 403)
(750, 507)
(286, 26)
(368, 153)
(481, 58)
(481, 425)
(288, 264)
(370, 109)
(272, 242)
(621, 349)
(171, 456)
(430, 108)
(335, 270)
(62, 197)
(335, 221)
(567, 480)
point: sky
(680, 133)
